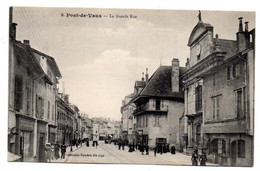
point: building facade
(158, 105)
(33, 78)
(219, 96)
(65, 117)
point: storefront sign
(25, 124)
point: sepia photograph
(131, 86)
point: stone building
(219, 95)
(33, 78)
(158, 105)
(65, 117)
(89, 127)
(129, 131)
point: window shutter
(42, 108)
(18, 98)
(37, 106)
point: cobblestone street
(109, 153)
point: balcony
(147, 109)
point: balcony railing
(140, 110)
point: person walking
(77, 143)
(87, 142)
(71, 144)
(63, 151)
(123, 145)
(57, 150)
(203, 158)
(194, 158)
(142, 149)
(119, 144)
(154, 151)
(147, 149)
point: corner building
(219, 96)
(159, 105)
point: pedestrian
(161, 149)
(63, 150)
(76, 143)
(123, 145)
(164, 148)
(87, 141)
(194, 158)
(130, 148)
(71, 144)
(142, 149)
(154, 151)
(57, 150)
(168, 148)
(173, 149)
(147, 149)
(203, 158)
(48, 152)
(52, 151)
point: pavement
(109, 153)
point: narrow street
(109, 153)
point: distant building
(219, 93)
(65, 117)
(127, 110)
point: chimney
(26, 42)
(13, 31)
(243, 37)
(146, 76)
(142, 76)
(175, 75)
(240, 24)
(246, 26)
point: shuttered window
(39, 107)
(18, 93)
(198, 96)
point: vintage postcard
(131, 86)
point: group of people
(162, 148)
(201, 158)
(52, 151)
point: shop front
(24, 140)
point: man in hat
(63, 150)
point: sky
(101, 58)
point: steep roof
(228, 46)
(159, 84)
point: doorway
(41, 149)
(233, 153)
